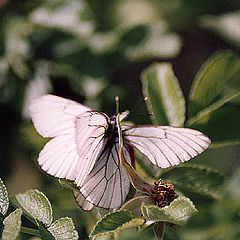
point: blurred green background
(91, 51)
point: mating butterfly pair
(84, 148)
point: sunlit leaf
(4, 201)
(12, 224)
(179, 211)
(116, 221)
(199, 179)
(35, 205)
(165, 97)
(63, 228)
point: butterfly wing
(78, 133)
(54, 116)
(166, 146)
(81, 201)
(107, 185)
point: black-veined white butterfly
(85, 144)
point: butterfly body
(85, 148)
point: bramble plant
(167, 203)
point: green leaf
(222, 126)
(4, 201)
(165, 97)
(204, 115)
(134, 205)
(63, 228)
(178, 212)
(116, 221)
(215, 83)
(195, 178)
(12, 225)
(35, 205)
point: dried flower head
(162, 193)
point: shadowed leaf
(198, 179)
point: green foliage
(213, 108)
(116, 221)
(63, 228)
(178, 212)
(216, 85)
(91, 51)
(164, 95)
(12, 225)
(199, 179)
(35, 205)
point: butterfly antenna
(117, 104)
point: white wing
(107, 185)
(166, 146)
(78, 135)
(53, 116)
(81, 201)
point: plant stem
(30, 231)
(158, 229)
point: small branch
(30, 231)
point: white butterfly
(85, 144)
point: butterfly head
(123, 116)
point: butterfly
(84, 148)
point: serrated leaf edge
(66, 219)
(20, 212)
(117, 229)
(164, 209)
(27, 212)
